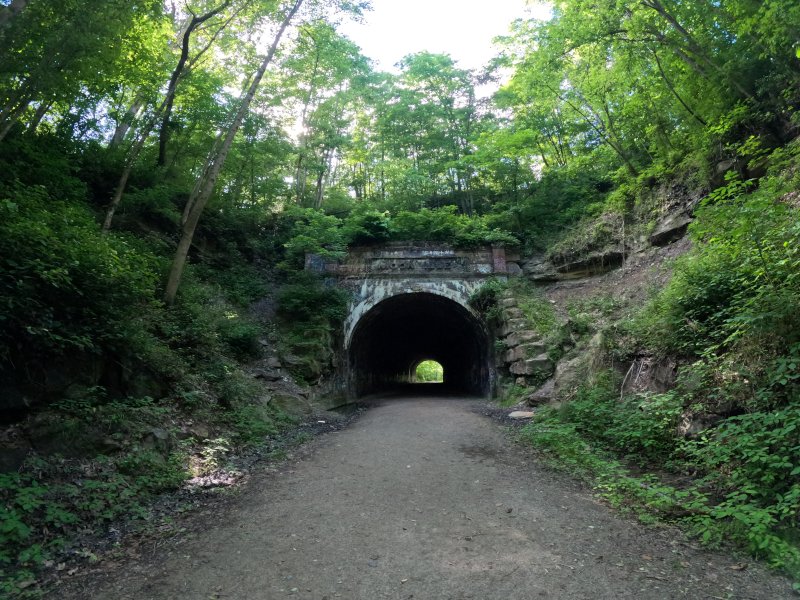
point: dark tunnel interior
(396, 334)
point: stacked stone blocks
(525, 354)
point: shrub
(486, 299)
(51, 249)
(367, 227)
(732, 302)
(311, 315)
(752, 463)
(312, 232)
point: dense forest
(166, 165)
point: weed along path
(422, 499)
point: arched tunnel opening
(393, 337)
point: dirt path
(423, 499)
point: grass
(711, 487)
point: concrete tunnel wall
(392, 337)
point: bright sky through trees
(463, 29)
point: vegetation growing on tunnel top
(314, 232)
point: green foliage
(745, 487)
(751, 463)
(231, 386)
(478, 231)
(313, 232)
(52, 497)
(590, 235)
(486, 299)
(306, 299)
(45, 504)
(640, 427)
(553, 205)
(513, 394)
(253, 422)
(204, 330)
(367, 227)
(565, 448)
(537, 310)
(731, 303)
(429, 371)
(445, 225)
(156, 202)
(51, 249)
(310, 315)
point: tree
(53, 54)
(194, 22)
(207, 180)
(164, 110)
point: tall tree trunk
(163, 135)
(542, 154)
(133, 155)
(299, 178)
(318, 192)
(138, 144)
(602, 130)
(26, 93)
(124, 124)
(41, 111)
(202, 192)
(11, 119)
(675, 93)
(300, 175)
(694, 46)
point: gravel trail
(423, 499)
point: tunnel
(392, 338)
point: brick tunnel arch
(400, 331)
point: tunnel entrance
(398, 333)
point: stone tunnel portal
(392, 338)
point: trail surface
(423, 499)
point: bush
(639, 427)
(732, 302)
(446, 226)
(312, 232)
(486, 299)
(306, 299)
(367, 227)
(311, 315)
(555, 203)
(746, 487)
(752, 462)
(54, 250)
